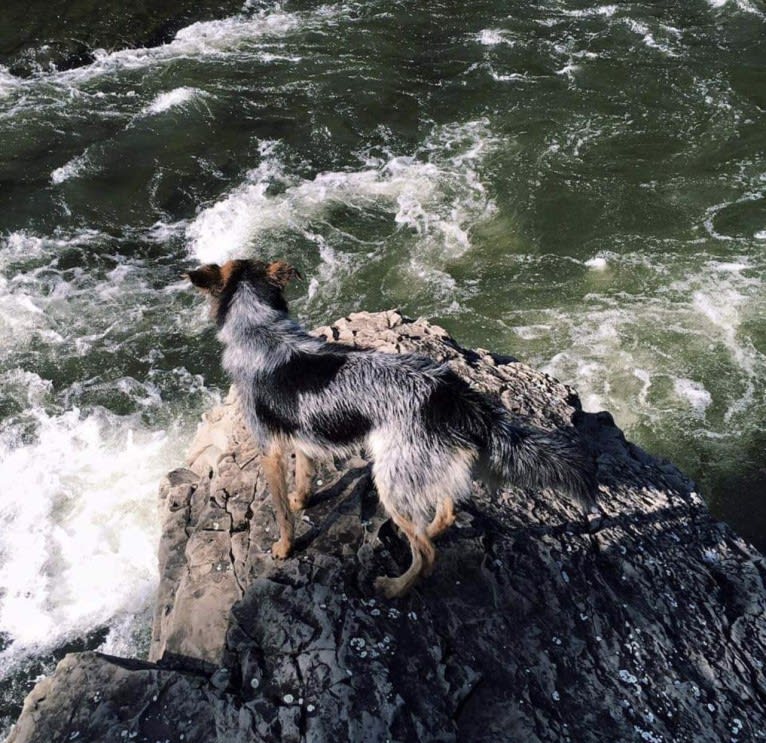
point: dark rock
(64, 33)
(646, 623)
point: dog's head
(266, 281)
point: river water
(580, 185)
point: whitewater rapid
(579, 186)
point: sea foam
(77, 166)
(172, 99)
(80, 528)
(78, 483)
(219, 38)
(616, 345)
(8, 82)
(433, 197)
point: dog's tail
(534, 458)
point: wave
(202, 40)
(77, 166)
(431, 198)
(8, 82)
(69, 311)
(638, 353)
(79, 480)
(746, 6)
(175, 98)
(79, 534)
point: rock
(116, 700)
(65, 34)
(646, 623)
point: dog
(427, 432)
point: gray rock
(646, 624)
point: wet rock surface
(41, 35)
(537, 625)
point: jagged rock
(67, 35)
(537, 625)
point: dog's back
(426, 430)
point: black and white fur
(426, 430)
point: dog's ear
(208, 278)
(281, 273)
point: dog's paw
(297, 502)
(281, 549)
(427, 570)
(391, 588)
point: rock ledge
(533, 627)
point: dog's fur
(426, 430)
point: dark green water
(582, 186)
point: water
(577, 184)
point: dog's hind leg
(304, 471)
(423, 556)
(274, 467)
(443, 519)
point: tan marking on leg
(423, 557)
(304, 471)
(429, 555)
(443, 519)
(274, 468)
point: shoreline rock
(69, 33)
(535, 626)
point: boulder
(538, 624)
(63, 35)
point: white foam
(25, 387)
(332, 264)
(729, 266)
(510, 77)
(435, 194)
(694, 393)
(76, 167)
(597, 263)
(21, 245)
(8, 82)
(722, 306)
(69, 311)
(24, 245)
(493, 37)
(532, 332)
(80, 528)
(641, 29)
(33, 302)
(172, 99)
(617, 344)
(712, 212)
(162, 232)
(607, 11)
(228, 228)
(219, 38)
(747, 6)
(568, 70)
(22, 316)
(78, 486)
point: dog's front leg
(274, 468)
(304, 471)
